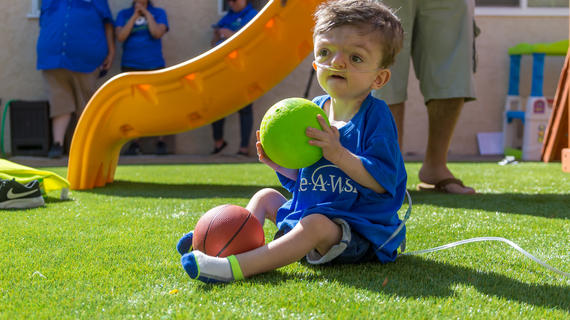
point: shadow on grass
(541, 205)
(121, 188)
(56, 200)
(417, 278)
(414, 277)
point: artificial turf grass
(111, 252)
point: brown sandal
(440, 186)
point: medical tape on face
(333, 69)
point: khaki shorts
(438, 37)
(69, 91)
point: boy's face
(237, 5)
(347, 62)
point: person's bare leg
(398, 114)
(264, 204)
(59, 127)
(442, 117)
(314, 231)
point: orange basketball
(226, 230)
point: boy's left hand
(327, 139)
(262, 157)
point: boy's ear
(382, 77)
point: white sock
(214, 267)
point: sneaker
(161, 149)
(134, 149)
(14, 195)
(56, 151)
(242, 153)
(220, 148)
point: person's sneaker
(56, 151)
(241, 153)
(134, 149)
(220, 148)
(161, 149)
(14, 195)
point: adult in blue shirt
(75, 44)
(140, 28)
(239, 15)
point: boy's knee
(266, 192)
(265, 203)
(320, 225)
(323, 230)
(270, 196)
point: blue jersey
(323, 188)
(236, 20)
(141, 50)
(72, 34)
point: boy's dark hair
(370, 15)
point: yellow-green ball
(282, 133)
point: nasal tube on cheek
(333, 69)
(326, 67)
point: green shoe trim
(236, 269)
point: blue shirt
(236, 20)
(72, 34)
(323, 188)
(141, 50)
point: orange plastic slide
(191, 94)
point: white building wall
(190, 35)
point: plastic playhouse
(524, 128)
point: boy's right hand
(263, 158)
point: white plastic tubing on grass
(458, 243)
